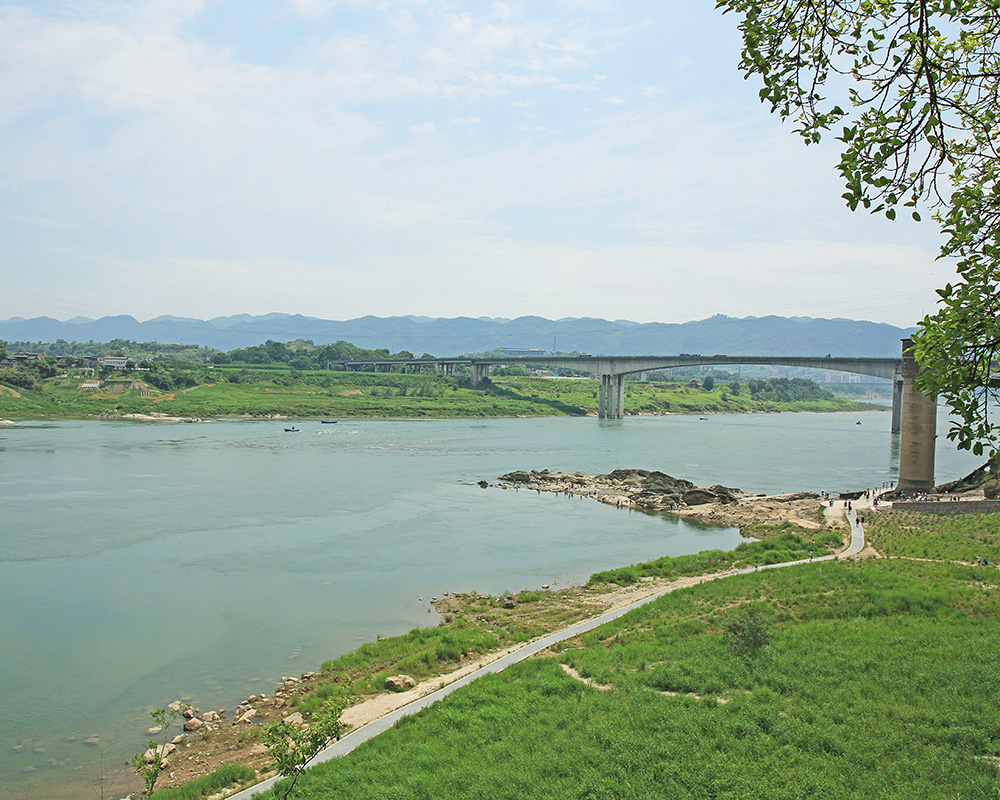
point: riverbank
(228, 737)
(300, 395)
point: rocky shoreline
(650, 490)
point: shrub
(747, 635)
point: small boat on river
(330, 421)
(292, 430)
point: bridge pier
(918, 429)
(480, 372)
(897, 403)
(611, 396)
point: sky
(338, 158)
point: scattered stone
(509, 601)
(399, 683)
(193, 724)
(294, 719)
(155, 729)
(175, 706)
(162, 750)
(92, 739)
(189, 712)
(248, 716)
(178, 739)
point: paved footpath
(374, 728)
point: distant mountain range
(805, 336)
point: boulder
(666, 484)
(699, 497)
(162, 750)
(518, 476)
(189, 712)
(726, 494)
(193, 724)
(294, 719)
(247, 716)
(399, 683)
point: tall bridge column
(611, 397)
(897, 402)
(480, 372)
(918, 429)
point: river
(140, 563)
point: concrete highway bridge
(914, 416)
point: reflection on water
(140, 563)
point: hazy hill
(448, 337)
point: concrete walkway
(374, 728)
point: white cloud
(146, 136)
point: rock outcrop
(636, 488)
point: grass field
(879, 681)
(937, 536)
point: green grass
(879, 682)
(939, 536)
(224, 777)
(228, 392)
(785, 546)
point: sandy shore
(159, 418)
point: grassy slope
(926, 535)
(879, 682)
(380, 395)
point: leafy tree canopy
(912, 87)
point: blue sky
(338, 158)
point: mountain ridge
(452, 336)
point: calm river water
(140, 563)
